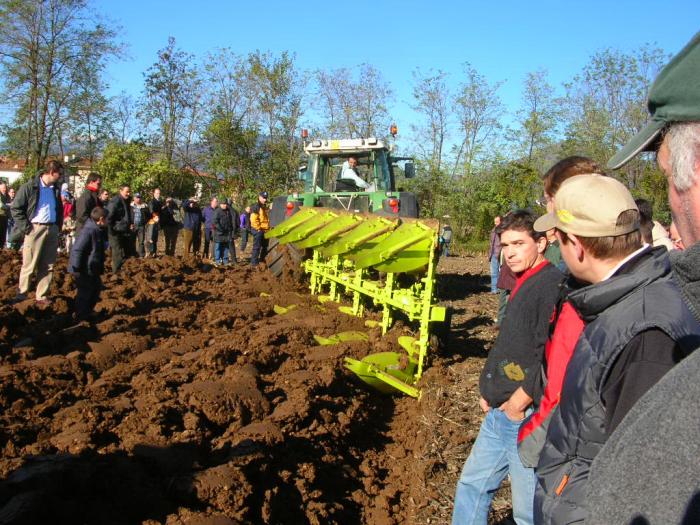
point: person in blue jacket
(87, 263)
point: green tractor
(356, 236)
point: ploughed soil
(190, 401)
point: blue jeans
(493, 456)
(222, 252)
(495, 269)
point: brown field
(191, 402)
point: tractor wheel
(284, 260)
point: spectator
(120, 222)
(153, 226)
(88, 200)
(4, 212)
(10, 223)
(141, 217)
(191, 226)
(67, 230)
(169, 225)
(510, 380)
(38, 216)
(104, 198)
(648, 470)
(676, 237)
(87, 262)
(244, 227)
(631, 303)
(645, 220)
(505, 284)
(660, 237)
(495, 254)
(260, 224)
(446, 239)
(222, 225)
(208, 214)
(234, 218)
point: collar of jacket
(645, 268)
(686, 268)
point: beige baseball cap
(589, 205)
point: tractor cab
(328, 164)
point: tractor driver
(349, 172)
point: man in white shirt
(38, 216)
(349, 172)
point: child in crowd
(87, 260)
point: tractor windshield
(336, 172)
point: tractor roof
(344, 145)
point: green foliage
(131, 164)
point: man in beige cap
(649, 469)
(637, 328)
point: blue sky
(503, 40)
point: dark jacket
(662, 428)
(155, 206)
(494, 244)
(119, 215)
(167, 216)
(87, 201)
(4, 205)
(88, 253)
(24, 207)
(641, 298)
(516, 358)
(244, 222)
(193, 215)
(223, 225)
(208, 214)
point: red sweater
(558, 351)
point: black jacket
(87, 201)
(516, 358)
(641, 297)
(119, 216)
(167, 216)
(88, 253)
(223, 225)
(24, 207)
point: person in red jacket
(564, 330)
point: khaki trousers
(38, 257)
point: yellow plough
(388, 261)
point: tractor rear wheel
(284, 260)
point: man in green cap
(649, 469)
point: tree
(281, 91)
(170, 91)
(131, 164)
(606, 104)
(432, 100)
(47, 47)
(537, 118)
(479, 110)
(354, 108)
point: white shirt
(351, 174)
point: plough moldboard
(387, 261)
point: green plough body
(361, 256)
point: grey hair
(684, 148)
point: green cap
(674, 97)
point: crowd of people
(43, 219)
(590, 392)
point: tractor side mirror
(409, 170)
(301, 173)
